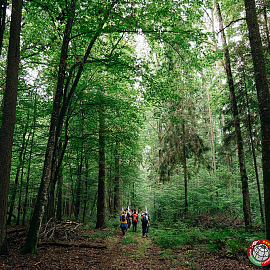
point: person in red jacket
(134, 220)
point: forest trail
(108, 249)
(133, 251)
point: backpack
(145, 220)
(134, 218)
(123, 218)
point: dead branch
(70, 245)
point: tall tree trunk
(253, 149)
(227, 154)
(85, 189)
(211, 125)
(160, 156)
(101, 200)
(32, 236)
(13, 194)
(3, 8)
(20, 198)
(24, 147)
(59, 195)
(185, 170)
(116, 178)
(78, 187)
(263, 100)
(266, 25)
(8, 117)
(29, 162)
(239, 140)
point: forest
(150, 104)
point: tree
(101, 200)
(238, 135)
(263, 100)
(8, 117)
(32, 236)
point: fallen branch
(69, 245)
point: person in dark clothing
(128, 218)
(144, 220)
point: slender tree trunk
(78, 188)
(59, 196)
(24, 146)
(253, 149)
(32, 236)
(239, 140)
(3, 8)
(185, 170)
(20, 199)
(160, 156)
(8, 117)
(101, 200)
(212, 131)
(227, 154)
(116, 178)
(59, 185)
(85, 189)
(263, 100)
(13, 195)
(266, 25)
(29, 162)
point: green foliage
(230, 239)
(113, 222)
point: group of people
(128, 217)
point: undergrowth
(230, 239)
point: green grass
(129, 240)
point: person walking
(124, 221)
(144, 220)
(134, 220)
(128, 218)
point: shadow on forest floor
(71, 246)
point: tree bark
(266, 25)
(29, 162)
(3, 8)
(8, 117)
(116, 178)
(101, 200)
(263, 100)
(253, 148)
(212, 131)
(239, 140)
(78, 187)
(85, 200)
(185, 170)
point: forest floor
(107, 249)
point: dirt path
(132, 251)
